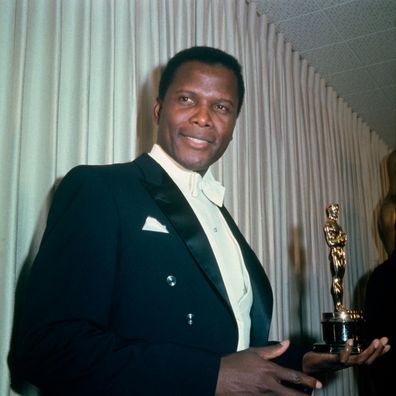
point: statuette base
(337, 328)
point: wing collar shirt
(205, 195)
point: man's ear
(157, 110)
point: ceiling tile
(330, 3)
(381, 117)
(372, 106)
(388, 135)
(309, 31)
(360, 102)
(351, 81)
(331, 59)
(390, 94)
(361, 17)
(352, 45)
(375, 48)
(278, 10)
(384, 73)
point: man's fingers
(381, 346)
(272, 351)
(299, 378)
(376, 349)
(346, 353)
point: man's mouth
(198, 140)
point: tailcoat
(113, 309)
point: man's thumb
(272, 351)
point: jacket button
(190, 319)
(171, 280)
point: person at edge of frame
(379, 312)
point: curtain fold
(78, 79)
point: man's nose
(202, 116)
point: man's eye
(184, 99)
(222, 108)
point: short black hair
(203, 54)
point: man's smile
(198, 142)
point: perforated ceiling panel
(352, 45)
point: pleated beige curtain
(77, 83)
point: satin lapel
(176, 208)
(261, 312)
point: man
(143, 284)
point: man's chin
(195, 166)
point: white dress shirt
(205, 195)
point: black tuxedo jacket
(116, 310)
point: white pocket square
(152, 224)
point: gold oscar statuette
(341, 324)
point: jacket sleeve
(66, 345)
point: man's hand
(250, 372)
(314, 362)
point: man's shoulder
(94, 176)
(113, 170)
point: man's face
(197, 117)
